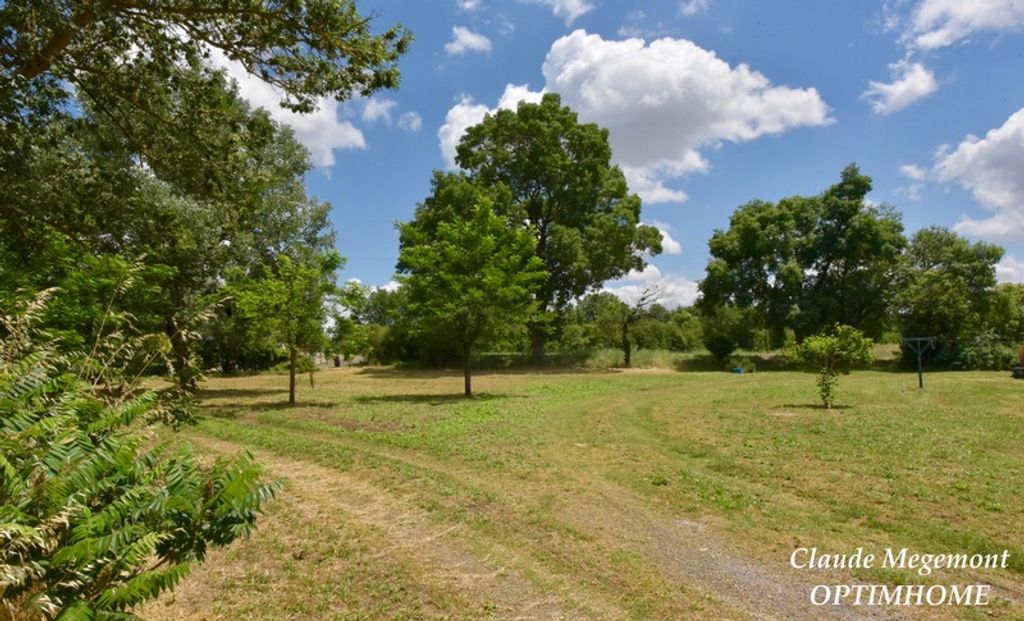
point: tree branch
(57, 44)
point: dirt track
(492, 578)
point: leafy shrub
(985, 352)
(725, 330)
(303, 364)
(94, 520)
(830, 354)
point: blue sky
(709, 103)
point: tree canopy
(567, 194)
(468, 274)
(288, 303)
(805, 263)
(947, 289)
(305, 49)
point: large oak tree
(808, 262)
(567, 194)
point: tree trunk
(538, 339)
(179, 350)
(292, 355)
(627, 347)
(466, 371)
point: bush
(725, 330)
(94, 520)
(985, 352)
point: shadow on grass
(427, 373)
(234, 410)
(239, 393)
(433, 399)
(815, 406)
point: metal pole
(920, 375)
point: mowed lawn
(606, 494)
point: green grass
(552, 465)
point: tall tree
(806, 263)
(467, 273)
(193, 216)
(566, 193)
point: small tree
(831, 354)
(633, 314)
(468, 273)
(288, 306)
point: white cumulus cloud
(934, 24)
(693, 7)
(465, 40)
(673, 289)
(320, 131)
(410, 121)
(913, 172)
(469, 5)
(992, 169)
(665, 100)
(910, 82)
(650, 188)
(467, 113)
(917, 176)
(569, 10)
(377, 109)
(662, 103)
(669, 245)
(1010, 269)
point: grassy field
(644, 494)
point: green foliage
(378, 328)
(1006, 312)
(193, 215)
(726, 329)
(947, 291)
(600, 315)
(566, 193)
(468, 273)
(828, 387)
(830, 354)
(94, 519)
(688, 334)
(306, 50)
(287, 305)
(986, 352)
(227, 344)
(122, 143)
(806, 263)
